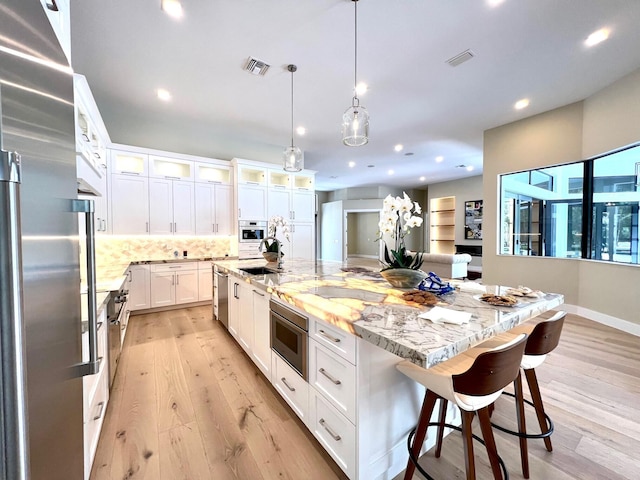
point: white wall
(605, 121)
(362, 229)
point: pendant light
(292, 156)
(355, 120)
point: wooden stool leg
(441, 419)
(490, 442)
(522, 427)
(467, 441)
(421, 432)
(532, 380)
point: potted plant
(401, 268)
(271, 252)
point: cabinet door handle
(171, 178)
(96, 154)
(284, 380)
(258, 293)
(294, 214)
(84, 135)
(100, 412)
(328, 337)
(104, 229)
(177, 279)
(334, 435)
(173, 279)
(147, 227)
(240, 212)
(171, 227)
(213, 227)
(130, 275)
(330, 377)
(252, 183)
(52, 5)
(130, 173)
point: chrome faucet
(264, 242)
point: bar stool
(472, 381)
(542, 339)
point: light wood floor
(187, 403)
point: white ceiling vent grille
(461, 58)
(257, 67)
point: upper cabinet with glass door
(171, 168)
(91, 134)
(129, 163)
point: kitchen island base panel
(388, 409)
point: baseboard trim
(611, 321)
(172, 307)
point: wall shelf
(442, 225)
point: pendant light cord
(355, 69)
(292, 70)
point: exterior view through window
(586, 209)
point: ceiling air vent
(461, 58)
(257, 67)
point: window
(543, 210)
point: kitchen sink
(258, 270)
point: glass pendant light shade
(292, 159)
(355, 125)
(355, 120)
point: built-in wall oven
(250, 234)
(117, 317)
(289, 336)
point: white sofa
(446, 265)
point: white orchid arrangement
(399, 216)
(274, 222)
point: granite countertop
(360, 301)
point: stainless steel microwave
(252, 231)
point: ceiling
(523, 49)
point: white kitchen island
(358, 406)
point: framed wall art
(473, 220)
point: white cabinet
(170, 168)
(303, 241)
(129, 163)
(291, 386)
(334, 432)
(129, 204)
(234, 305)
(91, 133)
(303, 206)
(95, 389)
(58, 13)
(279, 203)
(245, 315)
(213, 209)
(138, 284)
(252, 202)
(205, 281)
(261, 351)
(334, 378)
(174, 283)
(171, 207)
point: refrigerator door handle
(13, 388)
(93, 365)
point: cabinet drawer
(291, 386)
(172, 267)
(337, 340)
(94, 417)
(336, 434)
(90, 383)
(333, 377)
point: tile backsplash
(110, 249)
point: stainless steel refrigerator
(40, 331)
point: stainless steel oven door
(290, 342)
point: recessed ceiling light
(398, 147)
(173, 8)
(422, 179)
(470, 168)
(361, 88)
(494, 3)
(352, 164)
(520, 104)
(408, 154)
(439, 158)
(390, 172)
(597, 37)
(163, 94)
(333, 176)
(301, 130)
(370, 166)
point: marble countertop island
(360, 301)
